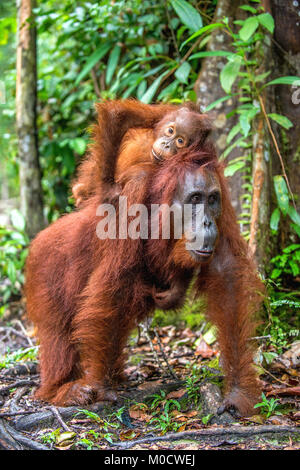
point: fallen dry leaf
(204, 350)
(128, 435)
(176, 393)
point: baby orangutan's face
(178, 130)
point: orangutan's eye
(180, 142)
(169, 131)
(196, 198)
(213, 198)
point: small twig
(10, 330)
(273, 376)
(57, 415)
(95, 82)
(13, 405)
(259, 337)
(18, 322)
(8, 414)
(19, 383)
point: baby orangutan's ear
(206, 126)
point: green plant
(158, 399)
(268, 407)
(287, 263)
(282, 321)
(165, 421)
(27, 354)
(13, 253)
(192, 387)
(206, 419)
(50, 437)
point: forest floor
(160, 407)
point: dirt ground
(170, 401)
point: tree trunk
(286, 56)
(26, 98)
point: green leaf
(188, 14)
(11, 272)
(249, 27)
(267, 21)
(294, 215)
(201, 31)
(17, 220)
(282, 193)
(296, 228)
(281, 120)
(148, 96)
(182, 73)
(294, 266)
(261, 76)
(276, 273)
(274, 221)
(217, 102)
(289, 80)
(231, 169)
(92, 61)
(112, 63)
(234, 131)
(199, 55)
(238, 143)
(246, 117)
(229, 73)
(248, 8)
(245, 124)
(79, 145)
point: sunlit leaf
(289, 80)
(231, 169)
(201, 31)
(282, 193)
(294, 215)
(17, 220)
(249, 27)
(112, 63)
(188, 14)
(199, 55)
(182, 73)
(217, 102)
(281, 120)
(274, 221)
(267, 21)
(148, 96)
(229, 73)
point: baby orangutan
(166, 128)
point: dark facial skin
(180, 130)
(202, 187)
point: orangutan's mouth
(156, 156)
(203, 253)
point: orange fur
(85, 295)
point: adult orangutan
(85, 295)
(161, 131)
